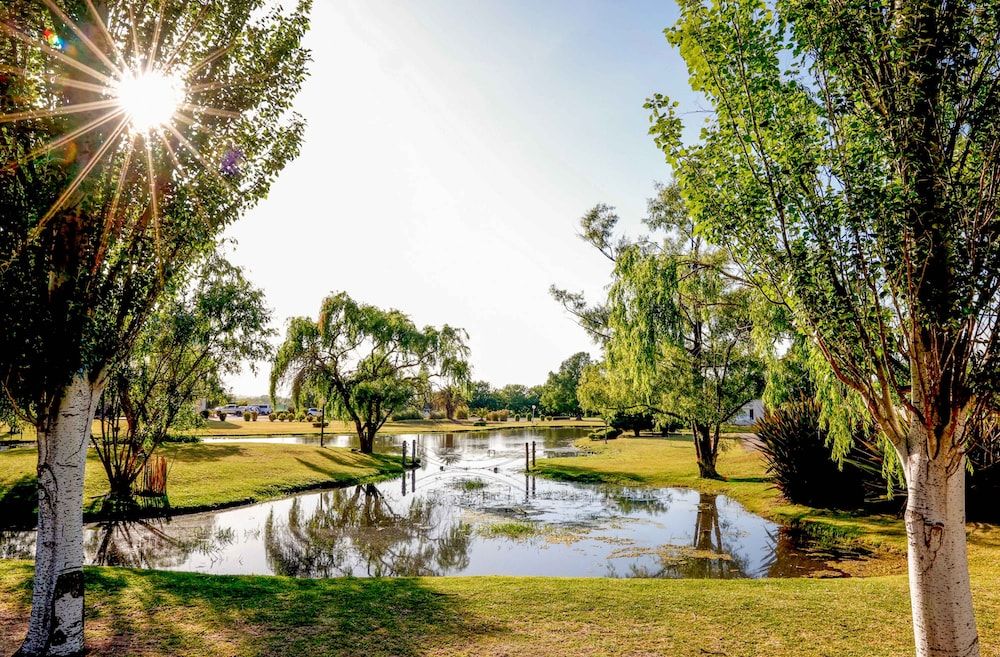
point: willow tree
(130, 133)
(367, 362)
(676, 326)
(851, 163)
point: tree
(678, 324)
(105, 197)
(368, 362)
(850, 162)
(482, 397)
(215, 321)
(559, 392)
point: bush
(272, 417)
(606, 433)
(437, 415)
(301, 417)
(407, 414)
(180, 438)
(222, 416)
(634, 422)
(317, 425)
(982, 486)
(246, 416)
(254, 415)
(479, 423)
(205, 414)
(801, 462)
(462, 414)
(517, 418)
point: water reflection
(358, 532)
(470, 508)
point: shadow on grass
(197, 453)
(19, 503)
(184, 613)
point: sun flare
(150, 99)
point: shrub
(180, 438)
(634, 422)
(479, 423)
(407, 414)
(317, 425)
(462, 414)
(301, 417)
(272, 417)
(982, 485)
(517, 418)
(246, 416)
(205, 414)
(503, 415)
(254, 415)
(437, 415)
(801, 462)
(222, 416)
(605, 433)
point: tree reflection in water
(147, 543)
(708, 555)
(358, 532)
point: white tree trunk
(56, 624)
(944, 623)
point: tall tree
(851, 163)
(130, 137)
(207, 328)
(367, 361)
(678, 329)
(559, 392)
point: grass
(514, 530)
(153, 613)
(207, 476)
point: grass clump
(471, 485)
(513, 530)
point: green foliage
(367, 362)
(77, 286)
(559, 394)
(606, 433)
(634, 422)
(407, 414)
(799, 458)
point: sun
(150, 99)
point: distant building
(749, 413)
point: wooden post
(532, 453)
(527, 459)
(322, 425)
(404, 453)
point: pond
(468, 509)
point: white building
(749, 413)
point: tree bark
(944, 623)
(704, 450)
(56, 623)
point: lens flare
(150, 99)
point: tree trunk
(944, 623)
(704, 451)
(367, 440)
(56, 623)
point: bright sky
(451, 148)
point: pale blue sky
(452, 146)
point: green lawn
(205, 476)
(159, 613)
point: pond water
(468, 509)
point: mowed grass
(207, 476)
(159, 613)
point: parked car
(230, 409)
(313, 412)
(263, 409)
